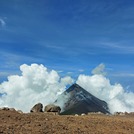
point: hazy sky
(70, 36)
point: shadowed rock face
(37, 108)
(52, 108)
(80, 101)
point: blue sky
(70, 36)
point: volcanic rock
(37, 108)
(52, 108)
(5, 108)
(19, 111)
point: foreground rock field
(12, 122)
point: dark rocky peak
(81, 101)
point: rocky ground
(12, 122)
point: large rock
(52, 108)
(7, 109)
(37, 108)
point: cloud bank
(39, 84)
(35, 84)
(114, 95)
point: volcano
(80, 101)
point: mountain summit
(80, 101)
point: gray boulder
(8, 109)
(37, 108)
(5, 108)
(19, 111)
(52, 108)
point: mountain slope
(80, 101)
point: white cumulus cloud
(114, 95)
(36, 84)
(99, 69)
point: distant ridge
(80, 101)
